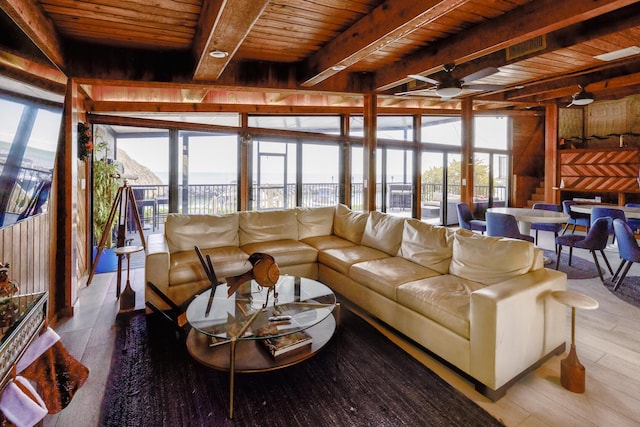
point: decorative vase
(108, 260)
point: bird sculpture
(265, 272)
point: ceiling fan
(582, 97)
(449, 86)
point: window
(441, 130)
(28, 143)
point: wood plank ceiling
(322, 54)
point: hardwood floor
(607, 340)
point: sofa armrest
(156, 266)
(515, 323)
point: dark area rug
(154, 382)
(629, 289)
(580, 268)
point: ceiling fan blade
(423, 78)
(415, 92)
(480, 74)
(484, 87)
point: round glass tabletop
(253, 312)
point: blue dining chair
(633, 223)
(576, 218)
(554, 228)
(595, 240)
(628, 248)
(466, 219)
(505, 225)
(613, 213)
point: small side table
(572, 373)
(120, 252)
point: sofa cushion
(313, 222)
(386, 274)
(428, 245)
(183, 232)
(383, 232)
(444, 299)
(349, 224)
(322, 243)
(489, 260)
(341, 259)
(264, 226)
(285, 252)
(185, 266)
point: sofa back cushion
(428, 245)
(383, 232)
(183, 232)
(349, 224)
(314, 222)
(265, 226)
(489, 260)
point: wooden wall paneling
(25, 246)
(611, 170)
(63, 285)
(551, 170)
(466, 165)
(82, 223)
(528, 162)
(19, 267)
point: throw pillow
(314, 222)
(383, 232)
(428, 245)
(349, 224)
(489, 260)
(183, 231)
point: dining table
(527, 216)
(629, 212)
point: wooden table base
(572, 373)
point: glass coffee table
(228, 331)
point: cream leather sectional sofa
(480, 303)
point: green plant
(105, 187)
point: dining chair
(576, 218)
(505, 225)
(595, 240)
(466, 219)
(613, 213)
(554, 228)
(633, 223)
(628, 248)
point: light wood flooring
(607, 340)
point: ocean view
(199, 178)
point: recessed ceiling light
(338, 67)
(617, 54)
(218, 54)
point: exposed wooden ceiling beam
(33, 79)
(387, 23)
(29, 17)
(223, 27)
(531, 20)
(567, 85)
(625, 18)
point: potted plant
(105, 187)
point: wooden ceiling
(322, 55)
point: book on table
(287, 344)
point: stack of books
(294, 343)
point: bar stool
(572, 372)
